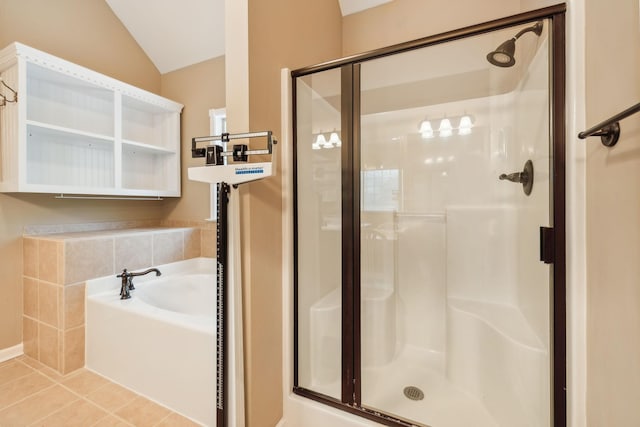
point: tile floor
(32, 394)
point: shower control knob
(525, 177)
(518, 177)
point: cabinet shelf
(60, 158)
(76, 131)
(148, 148)
(61, 129)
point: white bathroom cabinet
(76, 131)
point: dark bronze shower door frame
(351, 337)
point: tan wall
(85, 32)
(404, 20)
(282, 33)
(199, 88)
(613, 216)
(80, 31)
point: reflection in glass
(319, 233)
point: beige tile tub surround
(134, 251)
(57, 265)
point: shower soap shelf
(76, 131)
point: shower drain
(413, 393)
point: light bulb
(426, 130)
(445, 128)
(325, 143)
(465, 125)
(334, 139)
(319, 142)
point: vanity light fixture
(446, 128)
(320, 141)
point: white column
(237, 106)
(576, 218)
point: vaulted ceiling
(176, 34)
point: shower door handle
(547, 245)
(525, 177)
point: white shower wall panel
(421, 282)
(493, 354)
(482, 250)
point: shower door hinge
(547, 245)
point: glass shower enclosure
(428, 240)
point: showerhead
(503, 56)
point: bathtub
(161, 342)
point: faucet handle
(125, 275)
(525, 177)
(127, 284)
(127, 280)
(518, 177)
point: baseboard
(282, 423)
(11, 352)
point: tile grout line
(114, 269)
(14, 362)
(101, 419)
(112, 412)
(59, 383)
(164, 418)
(77, 396)
(31, 394)
(109, 413)
(55, 383)
(58, 409)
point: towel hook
(4, 97)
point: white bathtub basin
(161, 342)
(191, 294)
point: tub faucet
(127, 280)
